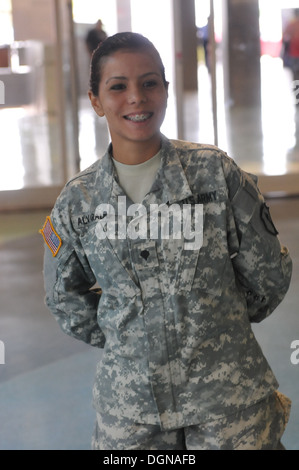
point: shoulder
(206, 158)
(198, 151)
(210, 163)
(79, 190)
(187, 146)
(85, 176)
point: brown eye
(150, 84)
(118, 86)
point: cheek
(111, 114)
(111, 106)
(163, 99)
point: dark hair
(120, 41)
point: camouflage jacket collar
(171, 183)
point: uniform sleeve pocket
(52, 270)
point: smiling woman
(174, 318)
(129, 88)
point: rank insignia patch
(51, 237)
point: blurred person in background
(95, 36)
(291, 44)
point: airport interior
(238, 94)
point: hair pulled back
(120, 41)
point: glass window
(6, 28)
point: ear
(167, 88)
(96, 104)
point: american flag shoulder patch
(51, 237)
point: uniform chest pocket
(108, 262)
(203, 268)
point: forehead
(129, 61)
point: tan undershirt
(137, 180)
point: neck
(136, 152)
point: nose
(136, 95)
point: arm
(263, 266)
(68, 281)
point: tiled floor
(46, 381)
(45, 384)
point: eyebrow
(126, 78)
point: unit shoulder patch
(51, 237)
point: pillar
(243, 52)
(189, 44)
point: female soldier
(181, 368)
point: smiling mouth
(139, 117)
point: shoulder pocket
(53, 266)
(245, 202)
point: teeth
(138, 117)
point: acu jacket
(174, 322)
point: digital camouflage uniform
(174, 323)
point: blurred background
(231, 84)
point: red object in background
(272, 48)
(4, 57)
